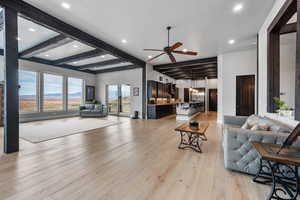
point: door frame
(236, 92)
(118, 113)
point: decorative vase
(194, 125)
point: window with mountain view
(53, 92)
(27, 91)
(74, 93)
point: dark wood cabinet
(159, 111)
(152, 89)
(160, 90)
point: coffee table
(191, 138)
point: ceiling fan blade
(156, 57)
(186, 52)
(153, 50)
(176, 45)
(172, 58)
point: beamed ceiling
(194, 69)
(63, 45)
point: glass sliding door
(125, 100)
(113, 99)
(118, 99)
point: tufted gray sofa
(238, 153)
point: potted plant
(282, 108)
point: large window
(28, 91)
(53, 92)
(74, 93)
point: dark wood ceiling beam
(45, 46)
(116, 69)
(102, 64)
(196, 75)
(289, 28)
(195, 78)
(40, 17)
(198, 62)
(189, 68)
(192, 71)
(49, 62)
(81, 56)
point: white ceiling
(93, 60)
(204, 26)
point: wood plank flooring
(135, 160)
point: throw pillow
(246, 126)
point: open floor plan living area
(149, 100)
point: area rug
(36, 132)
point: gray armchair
(93, 110)
(239, 155)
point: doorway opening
(118, 99)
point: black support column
(144, 95)
(11, 97)
(297, 86)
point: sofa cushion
(89, 106)
(98, 107)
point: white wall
(131, 77)
(231, 65)
(288, 69)
(263, 57)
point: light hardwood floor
(135, 160)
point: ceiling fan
(171, 49)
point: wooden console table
(191, 138)
(280, 169)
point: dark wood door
(245, 95)
(213, 100)
(186, 95)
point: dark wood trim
(198, 62)
(40, 17)
(11, 95)
(297, 74)
(273, 69)
(116, 69)
(284, 15)
(102, 64)
(288, 9)
(257, 74)
(189, 68)
(289, 28)
(49, 62)
(81, 56)
(45, 46)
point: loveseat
(239, 155)
(93, 110)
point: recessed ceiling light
(149, 57)
(238, 7)
(65, 5)
(184, 50)
(124, 41)
(75, 62)
(75, 46)
(18, 38)
(103, 56)
(46, 55)
(231, 41)
(31, 29)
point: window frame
(37, 74)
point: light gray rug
(41, 131)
